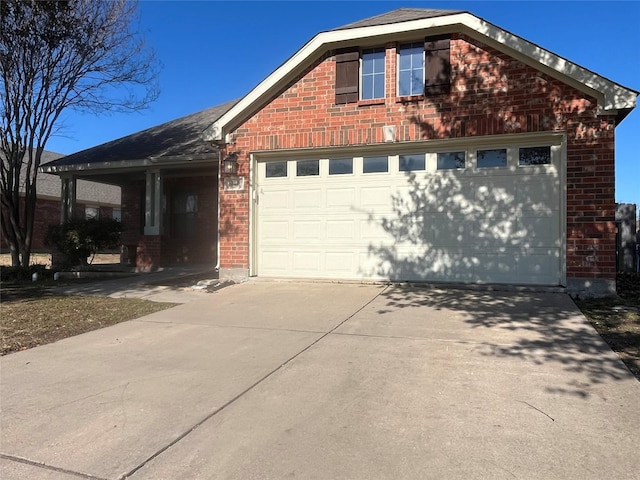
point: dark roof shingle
(177, 138)
(400, 15)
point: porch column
(153, 203)
(67, 198)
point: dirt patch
(45, 259)
(617, 320)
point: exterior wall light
(230, 164)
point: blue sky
(214, 51)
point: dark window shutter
(437, 65)
(347, 71)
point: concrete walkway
(323, 381)
(169, 285)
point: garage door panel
(275, 230)
(341, 198)
(276, 261)
(495, 233)
(307, 262)
(452, 230)
(339, 264)
(371, 230)
(308, 230)
(275, 200)
(304, 200)
(533, 193)
(496, 196)
(539, 231)
(375, 197)
(341, 230)
(538, 267)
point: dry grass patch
(36, 318)
(617, 320)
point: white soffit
(610, 95)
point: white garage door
(463, 215)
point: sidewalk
(169, 285)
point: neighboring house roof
(399, 15)
(49, 186)
(180, 138)
(612, 97)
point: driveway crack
(49, 467)
(248, 389)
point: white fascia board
(612, 95)
(128, 164)
(94, 166)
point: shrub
(79, 239)
(23, 274)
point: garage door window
(535, 156)
(375, 164)
(307, 168)
(276, 169)
(340, 166)
(492, 158)
(410, 163)
(451, 160)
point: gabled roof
(177, 139)
(397, 16)
(404, 24)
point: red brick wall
(47, 212)
(491, 94)
(172, 248)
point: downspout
(220, 154)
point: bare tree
(57, 55)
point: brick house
(92, 199)
(417, 145)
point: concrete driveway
(327, 381)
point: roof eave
(152, 162)
(611, 96)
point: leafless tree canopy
(56, 55)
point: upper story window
(424, 68)
(411, 69)
(372, 74)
